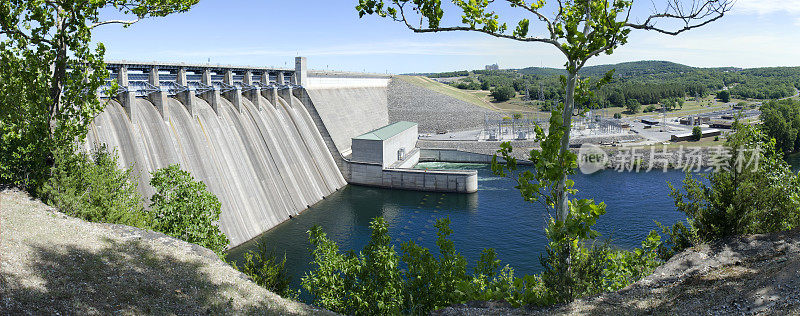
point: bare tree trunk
(562, 208)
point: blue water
(494, 217)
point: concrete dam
(267, 142)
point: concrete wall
(263, 164)
(349, 107)
(457, 181)
(406, 139)
(367, 151)
(409, 161)
(454, 155)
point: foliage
(504, 93)
(570, 268)
(184, 209)
(468, 86)
(724, 96)
(625, 267)
(95, 189)
(450, 74)
(650, 108)
(650, 82)
(633, 107)
(49, 77)
(367, 284)
(676, 238)
(267, 270)
(697, 133)
(374, 284)
(672, 103)
(617, 115)
(753, 190)
(434, 283)
(782, 122)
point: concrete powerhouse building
(393, 145)
(385, 157)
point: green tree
(697, 133)
(782, 122)
(50, 74)
(184, 209)
(724, 96)
(672, 103)
(367, 284)
(633, 106)
(579, 29)
(94, 188)
(752, 191)
(267, 270)
(503, 93)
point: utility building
(391, 146)
(386, 157)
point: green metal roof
(387, 131)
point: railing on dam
(157, 81)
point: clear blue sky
(272, 32)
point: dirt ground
(52, 264)
(749, 275)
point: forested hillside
(642, 82)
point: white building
(391, 146)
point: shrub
(570, 268)
(633, 106)
(369, 283)
(625, 267)
(676, 238)
(697, 133)
(617, 115)
(184, 209)
(742, 197)
(503, 93)
(434, 283)
(267, 270)
(650, 108)
(372, 282)
(94, 189)
(724, 96)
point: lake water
(494, 217)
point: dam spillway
(261, 155)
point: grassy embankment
(516, 104)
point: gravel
(54, 264)
(433, 111)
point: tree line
(646, 82)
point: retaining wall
(458, 181)
(349, 107)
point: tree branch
(697, 16)
(125, 22)
(465, 28)
(539, 15)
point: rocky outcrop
(746, 275)
(53, 264)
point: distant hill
(627, 69)
(645, 82)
